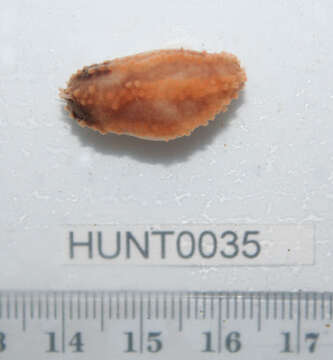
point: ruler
(160, 325)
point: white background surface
(267, 161)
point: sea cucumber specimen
(158, 95)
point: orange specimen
(158, 95)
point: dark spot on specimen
(79, 111)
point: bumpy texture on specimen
(159, 95)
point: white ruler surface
(164, 325)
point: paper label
(189, 245)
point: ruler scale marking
(259, 311)
(323, 306)
(39, 307)
(133, 306)
(55, 306)
(157, 306)
(63, 324)
(287, 311)
(141, 324)
(298, 323)
(71, 307)
(79, 306)
(16, 306)
(291, 313)
(47, 306)
(24, 322)
(180, 312)
(314, 296)
(243, 306)
(126, 306)
(196, 301)
(267, 306)
(117, 305)
(212, 306)
(173, 306)
(219, 332)
(94, 306)
(228, 306)
(188, 307)
(102, 311)
(86, 305)
(283, 306)
(149, 306)
(164, 305)
(235, 296)
(8, 307)
(32, 307)
(204, 305)
(251, 306)
(110, 305)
